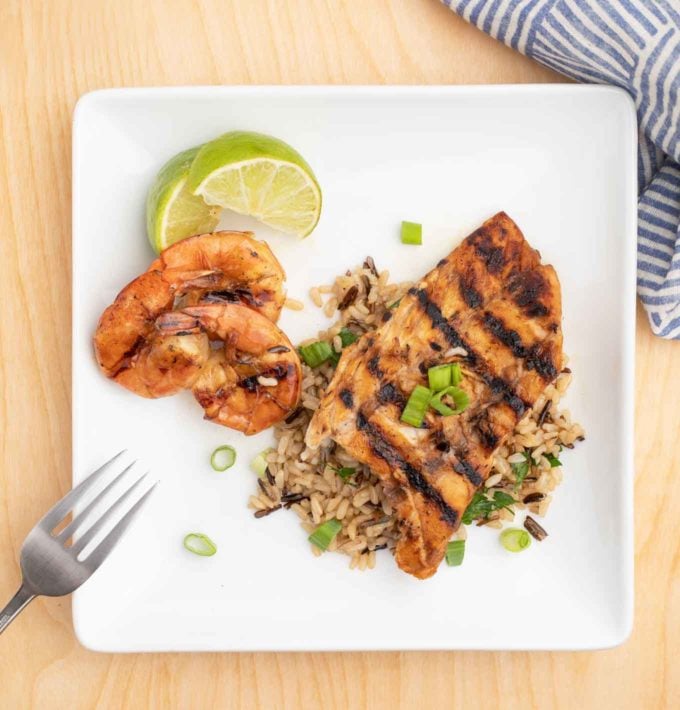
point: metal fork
(52, 568)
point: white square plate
(561, 161)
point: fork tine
(78, 521)
(101, 552)
(90, 533)
(59, 511)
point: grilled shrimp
(254, 380)
(224, 266)
(228, 267)
(133, 352)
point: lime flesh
(258, 175)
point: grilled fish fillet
(490, 305)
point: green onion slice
(395, 304)
(200, 544)
(515, 539)
(455, 551)
(223, 457)
(456, 374)
(460, 399)
(553, 460)
(316, 354)
(414, 411)
(325, 534)
(347, 337)
(411, 233)
(259, 463)
(439, 377)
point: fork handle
(16, 604)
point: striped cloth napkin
(634, 44)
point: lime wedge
(172, 211)
(261, 176)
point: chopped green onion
(345, 472)
(200, 544)
(455, 551)
(459, 397)
(515, 539)
(347, 337)
(223, 457)
(439, 377)
(411, 233)
(395, 304)
(259, 463)
(316, 354)
(553, 460)
(414, 411)
(325, 533)
(456, 374)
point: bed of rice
(305, 480)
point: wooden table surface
(51, 52)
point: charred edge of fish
(532, 357)
(347, 398)
(465, 468)
(543, 365)
(388, 453)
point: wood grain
(52, 51)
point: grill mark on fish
(374, 367)
(438, 321)
(497, 385)
(526, 289)
(532, 356)
(492, 256)
(346, 398)
(487, 436)
(465, 468)
(470, 294)
(388, 453)
(389, 393)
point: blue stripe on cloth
(634, 44)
